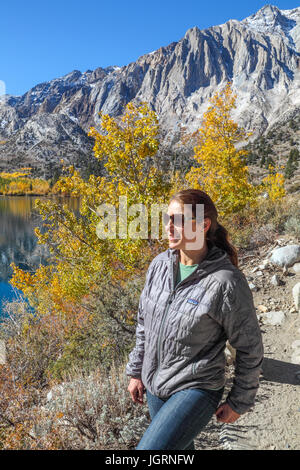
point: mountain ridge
(259, 55)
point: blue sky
(44, 40)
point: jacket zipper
(164, 319)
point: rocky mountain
(260, 55)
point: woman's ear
(207, 224)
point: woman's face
(189, 234)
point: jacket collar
(214, 258)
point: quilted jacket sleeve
(136, 357)
(243, 332)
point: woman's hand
(136, 389)
(225, 414)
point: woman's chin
(173, 242)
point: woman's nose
(170, 226)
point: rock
(253, 286)
(265, 263)
(49, 396)
(286, 256)
(275, 280)
(274, 318)
(262, 308)
(259, 273)
(296, 267)
(296, 295)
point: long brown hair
(217, 233)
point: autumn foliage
(20, 182)
(222, 171)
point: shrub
(32, 342)
(94, 412)
(263, 235)
(257, 226)
(40, 347)
(110, 333)
(16, 419)
(292, 226)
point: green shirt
(184, 271)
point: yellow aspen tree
(80, 259)
(126, 145)
(273, 184)
(222, 171)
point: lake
(18, 242)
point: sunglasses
(178, 220)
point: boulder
(285, 256)
(274, 318)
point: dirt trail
(274, 422)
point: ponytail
(219, 237)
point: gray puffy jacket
(181, 332)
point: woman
(194, 299)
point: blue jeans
(177, 420)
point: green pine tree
(292, 163)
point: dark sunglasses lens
(178, 220)
(165, 218)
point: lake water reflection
(18, 242)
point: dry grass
(85, 412)
(253, 228)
